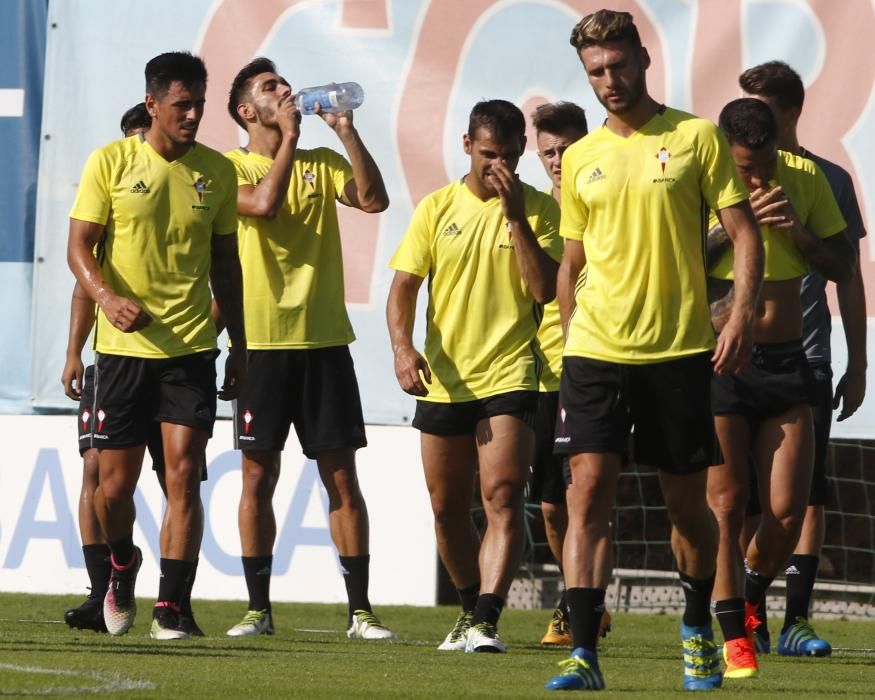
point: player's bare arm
(833, 258)
(735, 340)
(123, 313)
(851, 388)
(538, 269)
(411, 368)
(573, 260)
(266, 198)
(81, 321)
(366, 190)
(716, 246)
(226, 279)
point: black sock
(174, 576)
(697, 594)
(763, 617)
(800, 573)
(487, 609)
(563, 603)
(730, 615)
(468, 597)
(755, 586)
(98, 566)
(122, 550)
(185, 604)
(355, 576)
(257, 573)
(585, 609)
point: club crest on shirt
(310, 179)
(509, 244)
(201, 188)
(663, 156)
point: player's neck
(164, 147)
(627, 123)
(557, 194)
(265, 141)
(790, 142)
(476, 188)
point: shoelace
(253, 617)
(574, 665)
(805, 627)
(369, 618)
(463, 623)
(559, 622)
(486, 629)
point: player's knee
(729, 505)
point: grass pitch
(310, 657)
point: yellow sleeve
(545, 226)
(826, 218)
(414, 252)
(93, 197)
(720, 182)
(574, 213)
(339, 169)
(225, 222)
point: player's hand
(772, 208)
(288, 117)
(849, 393)
(734, 345)
(235, 374)
(339, 121)
(408, 366)
(71, 377)
(125, 314)
(509, 189)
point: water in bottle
(336, 97)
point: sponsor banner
(40, 549)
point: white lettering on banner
(39, 536)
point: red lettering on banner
(426, 93)
(235, 32)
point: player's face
(616, 72)
(550, 150)
(756, 167)
(266, 92)
(485, 151)
(178, 113)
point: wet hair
(501, 118)
(777, 80)
(136, 118)
(242, 83)
(166, 68)
(603, 26)
(749, 122)
(559, 117)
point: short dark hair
(774, 79)
(559, 117)
(603, 26)
(503, 119)
(242, 82)
(166, 68)
(749, 122)
(136, 118)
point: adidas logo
(452, 230)
(791, 570)
(597, 175)
(140, 188)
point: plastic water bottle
(337, 97)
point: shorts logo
(563, 414)
(86, 416)
(101, 415)
(247, 419)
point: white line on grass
(110, 682)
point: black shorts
(549, 478)
(132, 396)
(462, 418)
(821, 413)
(776, 379)
(666, 403)
(316, 390)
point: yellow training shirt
(292, 264)
(482, 319)
(811, 196)
(159, 220)
(640, 205)
(550, 341)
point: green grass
(310, 657)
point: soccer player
(640, 347)
(162, 208)
(763, 413)
(780, 87)
(300, 367)
(557, 126)
(488, 244)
